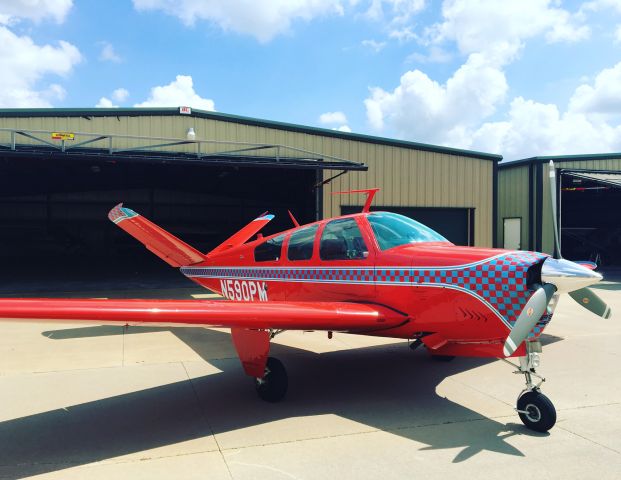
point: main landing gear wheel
(273, 386)
(536, 411)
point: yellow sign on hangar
(63, 136)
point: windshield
(392, 230)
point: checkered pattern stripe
(119, 213)
(363, 275)
(501, 281)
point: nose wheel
(536, 411)
(272, 387)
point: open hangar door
(55, 233)
(590, 217)
(455, 224)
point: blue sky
(516, 77)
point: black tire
(541, 414)
(443, 358)
(273, 386)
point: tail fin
(165, 245)
(242, 236)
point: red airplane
(370, 273)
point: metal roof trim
(605, 177)
(560, 159)
(97, 154)
(168, 111)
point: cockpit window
(342, 240)
(269, 250)
(301, 244)
(392, 230)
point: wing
(337, 316)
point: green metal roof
(560, 159)
(225, 117)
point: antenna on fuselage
(370, 192)
(295, 222)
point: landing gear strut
(535, 409)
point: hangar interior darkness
(54, 225)
(591, 218)
(454, 224)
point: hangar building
(202, 175)
(588, 206)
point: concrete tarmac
(90, 401)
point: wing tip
(119, 213)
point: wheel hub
(532, 412)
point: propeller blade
(557, 253)
(589, 300)
(531, 313)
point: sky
(515, 77)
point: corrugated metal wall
(513, 201)
(513, 195)
(421, 179)
(407, 177)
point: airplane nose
(567, 276)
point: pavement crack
(590, 440)
(206, 420)
(267, 467)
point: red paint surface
(451, 321)
(277, 315)
(252, 346)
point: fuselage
(463, 295)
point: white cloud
(423, 109)
(404, 34)
(332, 118)
(105, 102)
(534, 128)
(374, 45)
(590, 124)
(598, 5)
(396, 11)
(120, 94)
(25, 64)
(180, 92)
(455, 114)
(262, 20)
(335, 118)
(435, 55)
(343, 128)
(498, 29)
(108, 54)
(35, 10)
(603, 97)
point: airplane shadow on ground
(386, 387)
